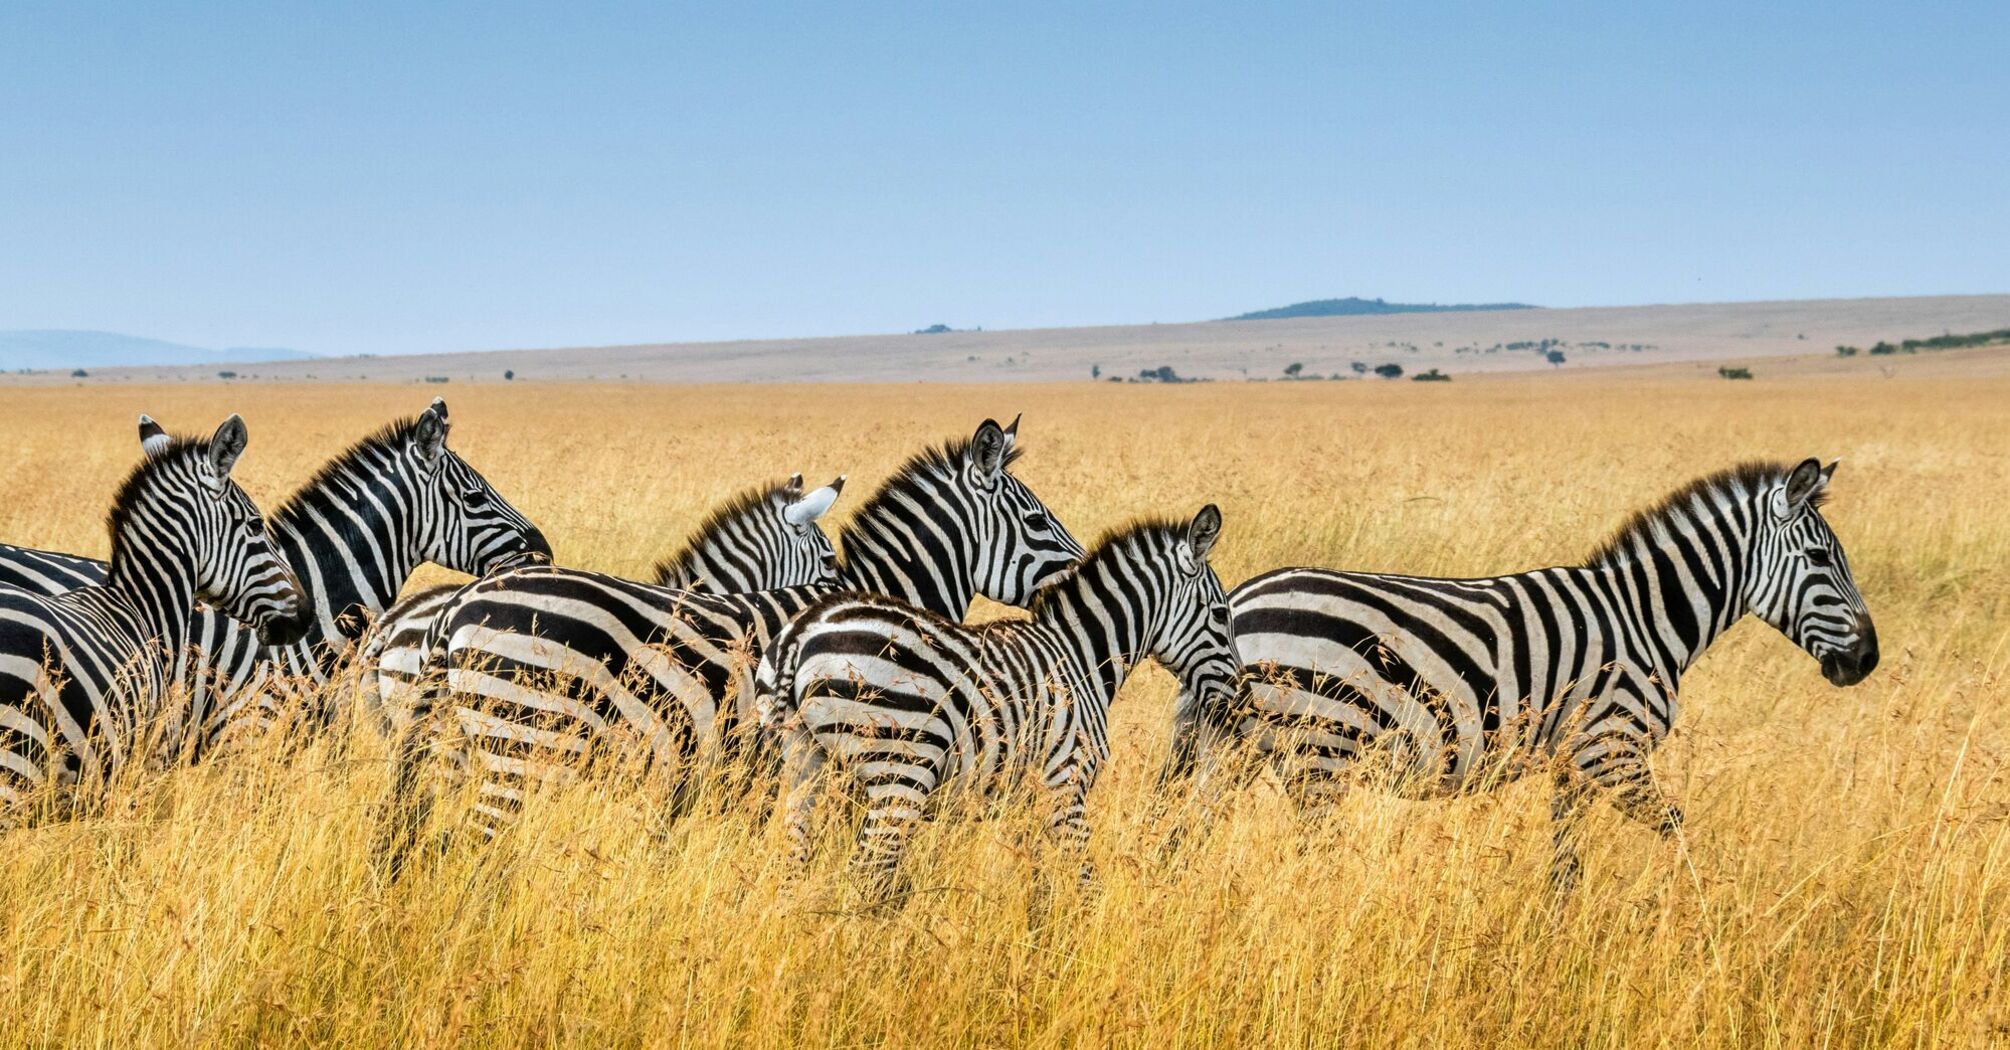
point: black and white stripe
(1465, 684)
(539, 670)
(760, 540)
(905, 703)
(84, 674)
(353, 534)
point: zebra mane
(178, 450)
(1112, 543)
(731, 510)
(1744, 481)
(386, 440)
(938, 461)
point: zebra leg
(409, 806)
(802, 765)
(893, 808)
(1629, 780)
(1566, 814)
(1068, 833)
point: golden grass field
(1844, 879)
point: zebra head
(237, 567)
(1800, 581)
(1020, 546)
(1194, 640)
(473, 529)
(761, 540)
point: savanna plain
(1843, 879)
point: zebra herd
(762, 657)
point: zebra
(84, 675)
(540, 668)
(354, 534)
(1467, 684)
(907, 703)
(759, 540)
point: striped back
(761, 539)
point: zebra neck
(1683, 592)
(929, 572)
(1104, 640)
(350, 554)
(154, 576)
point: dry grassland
(1844, 879)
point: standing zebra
(908, 702)
(84, 674)
(354, 534)
(759, 540)
(541, 668)
(1469, 683)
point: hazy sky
(362, 177)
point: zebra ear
(988, 447)
(815, 505)
(429, 435)
(795, 482)
(1203, 531)
(1012, 431)
(226, 445)
(153, 440)
(439, 408)
(1802, 483)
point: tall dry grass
(1842, 880)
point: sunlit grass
(1844, 877)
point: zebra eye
(254, 528)
(1819, 557)
(1037, 521)
(475, 497)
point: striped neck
(913, 541)
(153, 568)
(1680, 569)
(353, 538)
(1096, 615)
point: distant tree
(509, 375)
(1389, 371)
(1095, 371)
(1432, 376)
(1360, 368)
(79, 374)
(226, 375)
(1735, 373)
(1882, 348)
(1554, 357)
(1291, 370)
(1846, 351)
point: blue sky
(385, 178)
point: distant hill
(65, 349)
(1357, 307)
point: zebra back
(764, 538)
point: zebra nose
(286, 626)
